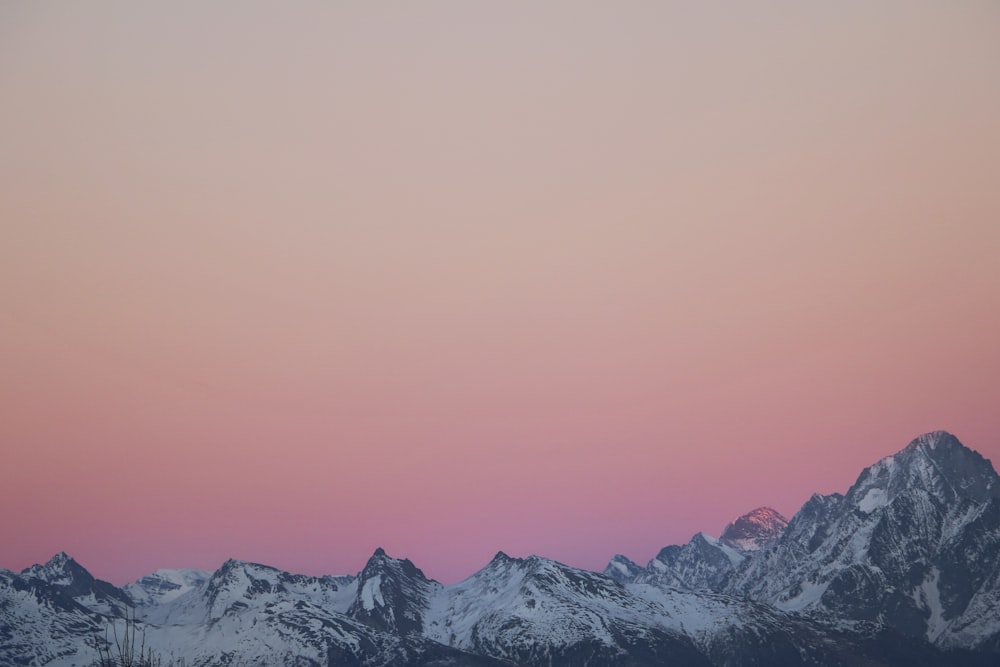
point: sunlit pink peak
(755, 529)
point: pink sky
(576, 279)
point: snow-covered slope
(244, 613)
(40, 623)
(165, 585)
(701, 564)
(239, 585)
(538, 611)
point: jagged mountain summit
(902, 569)
(705, 563)
(914, 545)
(242, 614)
(537, 611)
(754, 530)
(392, 595)
(73, 581)
(515, 611)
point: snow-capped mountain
(913, 545)
(70, 578)
(537, 611)
(244, 613)
(902, 569)
(41, 624)
(704, 563)
(622, 569)
(392, 595)
(252, 612)
(700, 565)
(754, 530)
(239, 585)
(164, 585)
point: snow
(746, 543)
(811, 593)
(930, 595)
(698, 615)
(536, 602)
(371, 594)
(165, 585)
(872, 500)
(620, 567)
(734, 556)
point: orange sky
(573, 278)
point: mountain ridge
(900, 569)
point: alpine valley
(902, 569)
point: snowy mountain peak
(230, 564)
(64, 573)
(938, 446)
(905, 547)
(392, 595)
(935, 464)
(237, 563)
(238, 586)
(755, 529)
(165, 585)
(60, 559)
(934, 439)
(381, 562)
(61, 569)
(622, 569)
(536, 611)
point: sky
(287, 282)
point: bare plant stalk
(121, 652)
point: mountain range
(902, 569)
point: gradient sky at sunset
(290, 281)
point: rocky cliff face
(705, 563)
(911, 546)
